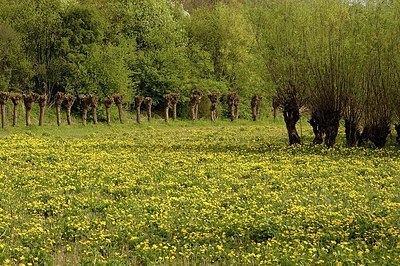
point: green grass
(194, 193)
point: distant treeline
(338, 58)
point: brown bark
(174, 100)
(3, 103)
(275, 105)
(195, 99)
(29, 99)
(318, 134)
(94, 101)
(42, 100)
(69, 99)
(376, 133)
(352, 132)
(233, 105)
(138, 104)
(148, 101)
(255, 106)
(15, 98)
(168, 99)
(119, 100)
(85, 102)
(291, 115)
(107, 103)
(59, 99)
(214, 98)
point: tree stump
(59, 99)
(94, 101)
(119, 100)
(15, 98)
(167, 102)
(69, 100)
(195, 99)
(29, 99)
(148, 101)
(107, 103)
(3, 103)
(42, 100)
(214, 98)
(138, 103)
(255, 106)
(85, 103)
(174, 101)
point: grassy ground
(194, 193)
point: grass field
(194, 193)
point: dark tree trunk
(318, 134)
(3, 116)
(3, 103)
(331, 128)
(377, 134)
(148, 102)
(291, 116)
(352, 132)
(397, 128)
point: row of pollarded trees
(214, 97)
(340, 59)
(60, 99)
(92, 101)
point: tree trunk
(193, 112)
(174, 111)
(397, 128)
(331, 128)
(28, 116)
(120, 113)
(148, 111)
(196, 111)
(3, 116)
(236, 112)
(318, 135)
(166, 115)
(352, 132)
(254, 112)
(15, 115)
(232, 111)
(108, 115)
(58, 113)
(69, 107)
(84, 115)
(291, 116)
(41, 115)
(138, 114)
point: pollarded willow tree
(278, 25)
(331, 56)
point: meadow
(194, 193)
